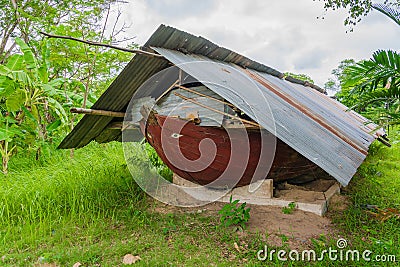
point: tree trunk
(5, 156)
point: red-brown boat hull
(280, 164)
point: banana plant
(7, 134)
(30, 102)
(24, 82)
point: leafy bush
(232, 214)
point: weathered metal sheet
(172, 105)
(303, 118)
(135, 115)
(323, 107)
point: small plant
(156, 161)
(290, 208)
(285, 240)
(234, 214)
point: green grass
(377, 182)
(89, 209)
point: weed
(234, 214)
(171, 224)
(290, 208)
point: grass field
(61, 210)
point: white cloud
(284, 34)
(180, 8)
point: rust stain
(227, 71)
(316, 118)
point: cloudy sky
(284, 34)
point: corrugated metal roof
(313, 124)
(305, 119)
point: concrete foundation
(314, 200)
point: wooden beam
(383, 141)
(98, 112)
(167, 91)
(119, 125)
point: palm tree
(388, 11)
(376, 83)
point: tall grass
(38, 195)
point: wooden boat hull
(210, 170)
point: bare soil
(298, 228)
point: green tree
(333, 84)
(25, 18)
(390, 12)
(359, 8)
(372, 86)
(81, 19)
(40, 78)
(79, 61)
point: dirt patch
(296, 229)
(316, 186)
